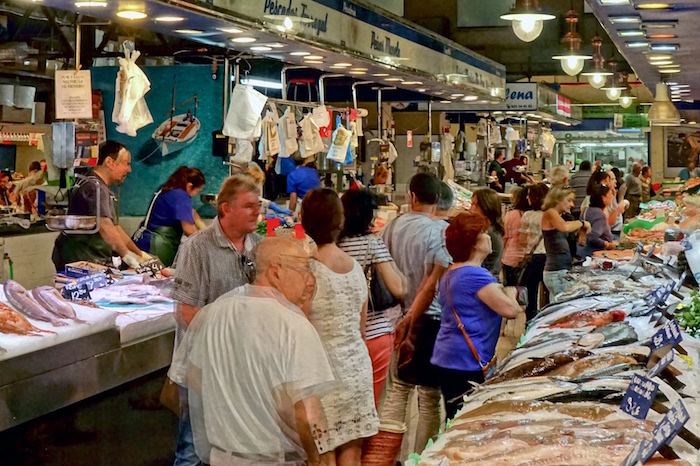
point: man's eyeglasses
(248, 267)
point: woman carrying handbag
(473, 304)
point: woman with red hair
(473, 303)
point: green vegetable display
(689, 315)
(262, 228)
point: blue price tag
(665, 430)
(651, 250)
(639, 396)
(633, 458)
(658, 296)
(640, 248)
(680, 281)
(661, 365)
(96, 280)
(670, 334)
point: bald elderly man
(255, 366)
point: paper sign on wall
(73, 94)
(409, 138)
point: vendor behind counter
(113, 164)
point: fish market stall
(55, 352)
(605, 375)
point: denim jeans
(398, 394)
(185, 454)
(556, 282)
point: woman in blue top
(469, 295)
(170, 215)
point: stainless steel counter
(44, 381)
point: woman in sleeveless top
(559, 200)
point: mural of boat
(177, 132)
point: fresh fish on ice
(588, 319)
(51, 300)
(592, 363)
(541, 366)
(14, 323)
(616, 334)
(22, 301)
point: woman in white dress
(338, 311)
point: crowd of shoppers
(345, 329)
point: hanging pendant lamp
(626, 97)
(527, 19)
(613, 89)
(572, 59)
(662, 111)
(597, 75)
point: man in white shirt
(254, 367)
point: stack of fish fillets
(555, 399)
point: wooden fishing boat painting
(176, 133)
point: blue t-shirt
(302, 180)
(171, 208)
(482, 324)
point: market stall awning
(337, 36)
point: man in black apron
(113, 164)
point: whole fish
(51, 300)
(541, 366)
(588, 319)
(617, 333)
(14, 323)
(591, 364)
(22, 301)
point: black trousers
(454, 384)
(510, 274)
(533, 278)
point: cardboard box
(15, 115)
(82, 268)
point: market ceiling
(669, 34)
(295, 43)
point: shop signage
(672, 423)
(409, 138)
(73, 90)
(661, 365)
(606, 111)
(360, 29)
(521, 96)
(670, 334)
(639, 396)
(630, 120)
(563, 106)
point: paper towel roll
(7, 95)
(24, 96)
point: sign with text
(73, 94)
(633, 458)
(670, 334)
(75, 292)
(665, 430)
(521, 96)
(639, 396)
(151, 266)
(563, 106)
(661, 365)
(96, 280)
(409, 138)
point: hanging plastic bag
(349, 156)
(355, 139)
(482, 128)
(496, 133)
(244, 151)
(243, 114)
(393, 153)
(321, 116)
(339, 142)
(272, 136)
(311, 142)
(288, 133)
(130, 111)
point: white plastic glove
(131, 259)
(145, 256)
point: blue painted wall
(141, 183)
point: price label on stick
(661, 365)
(96, 280)
(75, 292)
(150, 266)
(670, 334)
(633, 458)
(665, 430)
(639, 396)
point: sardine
(14, 323)
(22, 302)
(51, 300)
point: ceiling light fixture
(664, 47)
(572, 60)
(662, 111)
(380, 75)
(394, 80)
(626, 96)
(613, 89)
(131, 14)
(671, 65)
(260, 48)
(662, 62)
(662, 36)
(243, 40)
(637, 44)
(630, 32)
(659, 57)
(91, 4)
(470, 98)
(412, 83)
(653, 6)
(313, 57)
(189, 31)
(614, 2)
(527, 19)
(168, 19)
(659, 24)
(230, 30)
(300, 54)
(357, 72)
(625, 19)
(341, 65)
(670, 70)
(597, 75)
(314, 62)
(445, 101)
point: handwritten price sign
(639, 396)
